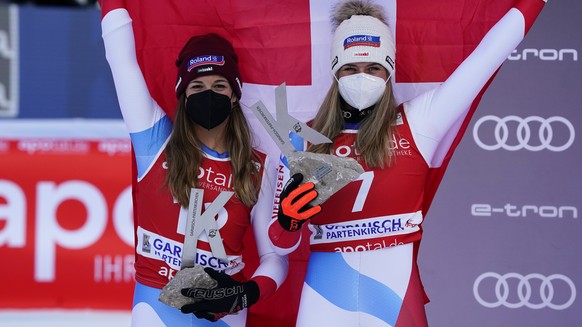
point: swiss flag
(289, 42)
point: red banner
(66, 226)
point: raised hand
(294, 209)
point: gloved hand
(229, 296)
(294, 209)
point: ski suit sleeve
(148, 125)
(436, 115)
(272, 269)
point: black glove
(229, 296)
(294, 209)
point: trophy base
(328, 172)
(186, 278)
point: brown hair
(373, 139)
(184, 156)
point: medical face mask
(361, 90)
(208, 108)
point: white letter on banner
(49, 233)
(481, 210)
(14, 232)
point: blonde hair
(373, 138)
(184, 156)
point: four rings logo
(554, 133)
(548, 287)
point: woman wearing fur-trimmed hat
(365, 238)
(207, 147)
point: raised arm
(148, 125)
(436, 115)
(139, 110)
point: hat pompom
(346, 9)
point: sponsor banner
(66, 226)
(505, 225)
(154, 246)
(366, 229)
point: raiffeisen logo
(527, 210)
(544, 54)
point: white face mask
(361, 90)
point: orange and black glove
(294, 209)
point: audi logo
(523, 133)
(524, 291)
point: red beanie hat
(208, 54)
